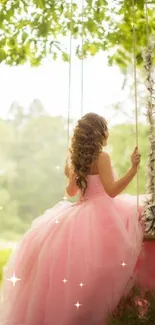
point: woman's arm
(113, 187)
(71, 188)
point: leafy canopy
(35, 29)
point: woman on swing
(78, 260)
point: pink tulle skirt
(74, 264)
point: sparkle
(56, 221)
(58, 167)
(13, 279)
(77, 305)
(123, 264)
(6, 48)
(1, 208)
(65, 198)
(81, 284)
(64, 280)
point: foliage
(32, 30)
(135, 309)
(4, 257)
(149, 212)
(122, 141)
(32, 145)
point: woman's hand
(135, 158)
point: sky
(49, 83)
(102, 87)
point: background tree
(32, 30)
(32, 143)
(32, 158)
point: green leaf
(65, 57)
(55, 56)
(93, 49)
(106, 26)
(74, 6)
(24, 36)
(2, 55)
(11, 43)
(140, 4)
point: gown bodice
(95, 186)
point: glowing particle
(58, 167)
(77, 305)
(64, 280)
(65, 198)
(13, 279)
(123, 264)
(6, 48)
(81, 284)
(56, 221)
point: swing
(70, 70)
(147, 219)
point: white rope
(82, 59)
(135, 90)
(147, 38)
(69, 88)
(70, 73)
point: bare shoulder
(103, 158)
(105, 172)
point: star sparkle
(6, 48)
(14, 279)
(77, 305)
(81, 284)
(123, 264)
(64, 280)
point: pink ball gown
(75, 263)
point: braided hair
(87, 143)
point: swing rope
(70, 70)
(147, 40)
(135, 91)
(70, 66)
(82, 63)
(70, 73)
(69, 90)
